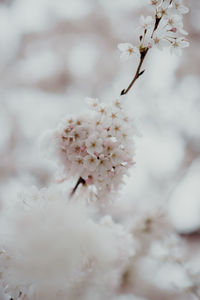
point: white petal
(184, 44)
(124, 46)
(184, 9)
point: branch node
(123, 92)
(141, 73)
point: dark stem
(138, 72)
(143, 53)
(156, 25)
(80, 181)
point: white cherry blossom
(159, 40)
(127, 50)
(177, 45)
(175, 24)
(94, 144)
(146, 23)
(179, 8)
(163, 9)
(162, 31)
(91, 162)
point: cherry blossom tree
(67, 242)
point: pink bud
(71, 126)
(89, 180)
(174, 29)
(82, 148)
(149, 45)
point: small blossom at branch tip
(163, 9)
(127, 50)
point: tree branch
(138, 72)
(143, 53)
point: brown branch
(138, 72)
(80, 181)
(143, 53)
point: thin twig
(143, 53)
(138, 72)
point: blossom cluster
(165, 30)
(97, 147)
(50, 247)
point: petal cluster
(97, 146)
(165, 30)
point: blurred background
(54, 53)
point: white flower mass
(51, 246)
(97, 146)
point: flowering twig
(161, 31)
(143, 53)
(138, 72)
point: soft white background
(54, 53)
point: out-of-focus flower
(155, 2)
(166, 261)
(129, 297)
(179, 8)
(50, 245)
(127, 50)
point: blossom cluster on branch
(97, 146)
(164, 30)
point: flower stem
(138, 72)
(143, 53)
(80, 181)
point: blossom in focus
(162, 31)
(159, 41)
(175, 24)
(177, 45)
(98, 146)
(127, 50)
(163, 9)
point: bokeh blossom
(50, 246)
